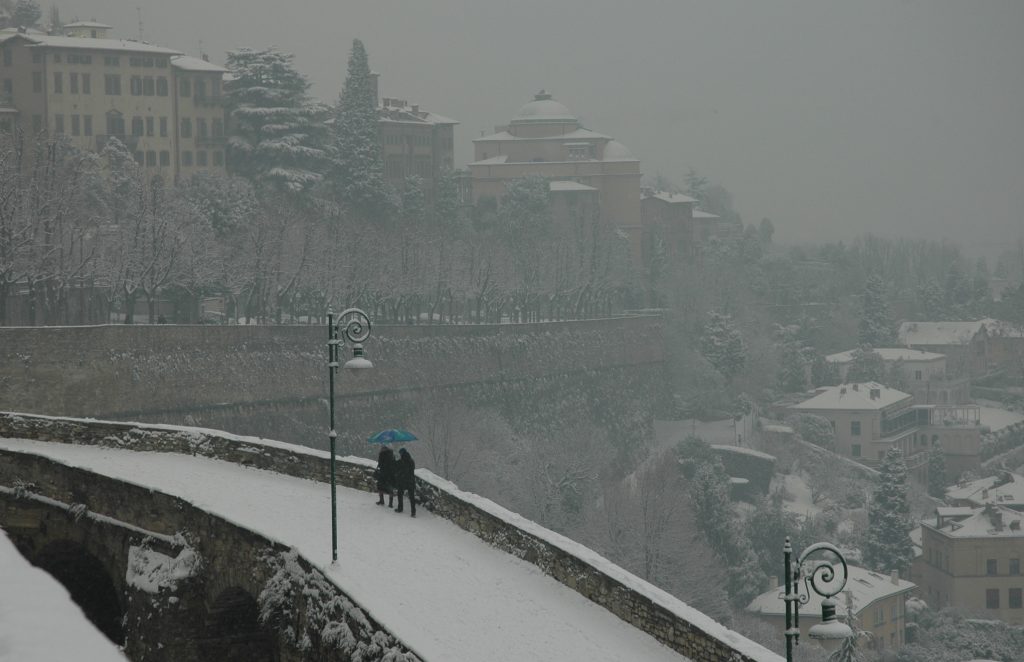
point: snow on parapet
(151, 571)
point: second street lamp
(352, 325)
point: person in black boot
(386, 476)
(405, 480)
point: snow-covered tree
(932, 300)
(27, 14)
(866, 365)
(795, 357)
(277, 135)
(525, 210)
(447, 208)
(722, 345)
(887, 545)
(816, 429)
(876, 325)
(936, 472)
(357, 169)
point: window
(5, 125)
(165, 158)
(161, 63)
(992, 567)
(218, 158)
(115, 124)
(137, 126)
(73, 82)
(186, 127)
(8, 61)
(112, 84)
(163, 127)
(37, 81)
(135, 62)
(140, 158)
(215, 87)
(149, 127)
(8, 86)
(186, 158)
(58, 82)
(855, 428)
(1013, 600)
(136, 86)
(112, 61)
(218, 127)
(917, 375)
(37, 124)
(200, 86)
(148, 86)
(37, 57)
(76, 125)
(879, 615)
(147, 62)
(151, 158)
(86, 84)
(184, 88)
(161, 86)
(1014, 566)
(201, 131)
(58, 123)
(87, 125)
(201, 158)
(992, 598)
(894, 613)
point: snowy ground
(439, 589)
(997, 419)
(38, 621)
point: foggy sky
(831, 118)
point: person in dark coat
(405, 480)
(386, 476)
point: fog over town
(470, 331)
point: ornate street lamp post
(352, 325)
(819, 576)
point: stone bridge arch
(232, 631)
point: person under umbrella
(386, 476)
(405, 480)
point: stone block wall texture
(632, 600)
(123, 371)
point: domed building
(545, 138)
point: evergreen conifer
(888, 546)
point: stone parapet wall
(121, 371)
(648, 608)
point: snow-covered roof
(864, 586)
(616, 151)
(854, 397)
(743, 450)
(938, 333)
(673, 198)
(889, 354)
(88, 24)
(992, 521)
(544, 109)
(189, 63)
(501, 158)
(578, 134)
(697, 213)
(402, 112)
(1006, 488)
(564, 186)
(123, 45)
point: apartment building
(971, 561)
(877, 602)
(414, 141)
(923, 373)
(869, 418)
(165, 107)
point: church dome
(544, 109)
(616, 151)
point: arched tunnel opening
(232, 631)
(88, 582)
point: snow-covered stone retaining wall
(648, 608)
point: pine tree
(357, 172)
(888, 545)
(27, 14)
(936, 472)
(876, 325)
(277, 132)
(933, 301)
(795, 355)
(722, 345)
(447, 209)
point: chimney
(984, 494)
(415, 108)
(876, 393)
(894, 576)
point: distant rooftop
(1005, 488)
(124, 45)
(864, 587)
(991, 521)
(578, 134)
(672, 198)
(89, 24)
(938, 333)
(697, 213)
(861, 396)
(188, 63)
(889, 354)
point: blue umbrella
(392, 435)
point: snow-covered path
(441, 590)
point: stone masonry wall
(666, 618)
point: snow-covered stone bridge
(216, 547)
